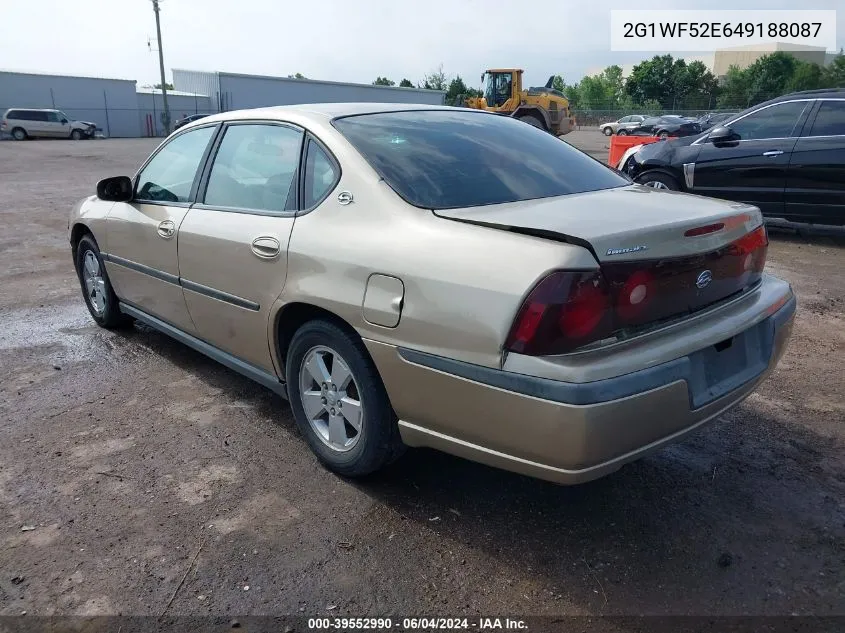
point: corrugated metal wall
(151, 106)
(198, 82)
(251, 91)
(110, 103)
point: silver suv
(23, 123)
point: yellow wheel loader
(545, 108)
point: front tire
(339, 401)
(19, 134)
(76, 135)
(607, 131)
(622, 133)
(532, 120)
(96, 288)
(663, 135)
(658, 180)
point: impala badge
(704, 279)
(627, 249)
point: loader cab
(501, 87)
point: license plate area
(719, 369)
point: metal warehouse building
(231, 91)
(181, 104)
(110, 103)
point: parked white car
(622, 126)
(24, 123)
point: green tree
(834, 72)
(297, 76)
(557, 83)
(436, 80)
(653, 79)
(734, 89)
(384, 81)
(806, 76)
(458, 91)
(406, 83)
(167, 85)
(769, 76)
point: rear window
(441, 159)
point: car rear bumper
(570, 432)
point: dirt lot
(140, 463)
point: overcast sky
(342, 40)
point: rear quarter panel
(463, 283)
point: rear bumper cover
(574, 432)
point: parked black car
(785, 156)
(666, 126)
(188, 119)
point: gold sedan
(423, 276)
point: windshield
(442, 159)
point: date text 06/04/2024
(416, 623)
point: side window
(777, 121)
(13, 114)
(626, 119)
(320, 175)
(830, 121)
(52, 117)
(255, 168)
(39, 116)
(169, 176)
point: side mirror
(722, 135)
(64, 121)
(115, 189)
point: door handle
(773, 152)
(166, 229)
(266, 247)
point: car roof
(325, 111)
(821, 93)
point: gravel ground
(130, 464)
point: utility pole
(161, 69)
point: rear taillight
(565, 310)
(2, 125)
(751, 249)
(570, 309)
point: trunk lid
(662, 255)
(623, 224)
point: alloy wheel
(95, 284)
(331, 398)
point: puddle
(68, 327)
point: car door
(37, 124)
(141, 242)
(752, 168)
(815, 181)
(233, 243)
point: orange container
(619, 144)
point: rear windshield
(441, 159)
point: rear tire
(607, 131)
(327, 367)
(622, 133)
(658, 180)
(530, 119)
(76, 135)
(19, 134)
(97, 290)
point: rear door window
(830, 120)
(169, 176)
(255, 168)
(442, 159)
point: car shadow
(708, 525)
